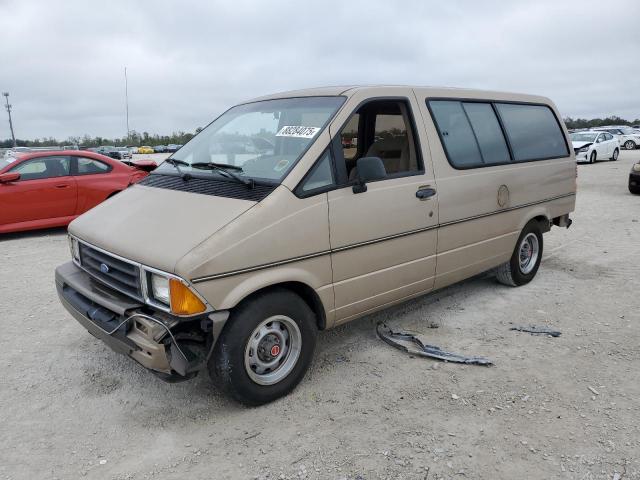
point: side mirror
(9, 177)
(368, 169)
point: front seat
(55, 168)
(394, 152)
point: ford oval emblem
(104, 268)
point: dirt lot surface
(564, 407)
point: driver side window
(42, 167)
(383, 129)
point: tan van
(300, 211)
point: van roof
(434, 91)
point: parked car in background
(173, 147)
(159, 149)
(132, 149)
(591, 146)
(634, 179)
(627, 136)
(49, 189)
(119, 153)
(145, 149)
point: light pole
(8, 107)
(126, 102)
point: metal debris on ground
(534, 330)
(412, 345)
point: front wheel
(526, 257)
(265, 348)
(614, 157)
(629, 145)
(592, 157)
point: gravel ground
(562, 407)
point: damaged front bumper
(172, 347)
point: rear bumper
(129, 328)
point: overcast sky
(63, 61)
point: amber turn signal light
(183, 300)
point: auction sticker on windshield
(297, 131)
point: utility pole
(8, 107)
(126, 102)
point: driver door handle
(62, 185)
(425, 193)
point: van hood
(156, 226)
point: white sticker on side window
(297, 131)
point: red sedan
(50, 189)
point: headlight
(636, 167)
(173, 294)
(75, 249)
(160, 288)
(583, 149)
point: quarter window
(533, 131)
(43, 167)
(321, 174)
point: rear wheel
(592, 157)
(265, 349)
(630, 145)
(614, 157)
(526, 257)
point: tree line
(86, 141)
(598, 122)
(180, 138)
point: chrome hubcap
(272, 350)
(528, 253)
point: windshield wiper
(224, 169)
(226, 166)
(175, 162)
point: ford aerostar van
(294, 213)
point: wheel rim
(272, 350)
(615, 154)
(528, 253)
(629, 145)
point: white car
(592, 145)
(628, 137)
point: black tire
(630, 145)
(227, 364)
(615, 155)
(634, 190)
(593, 157)
(510, 273)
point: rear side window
(456, 134)
(473, 133)
(486, 127)
(533, 131)
(89, 166)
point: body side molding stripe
(372, 241)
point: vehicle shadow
(45, 232)
(205, 401)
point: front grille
(118, 274)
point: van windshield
(261, 140)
